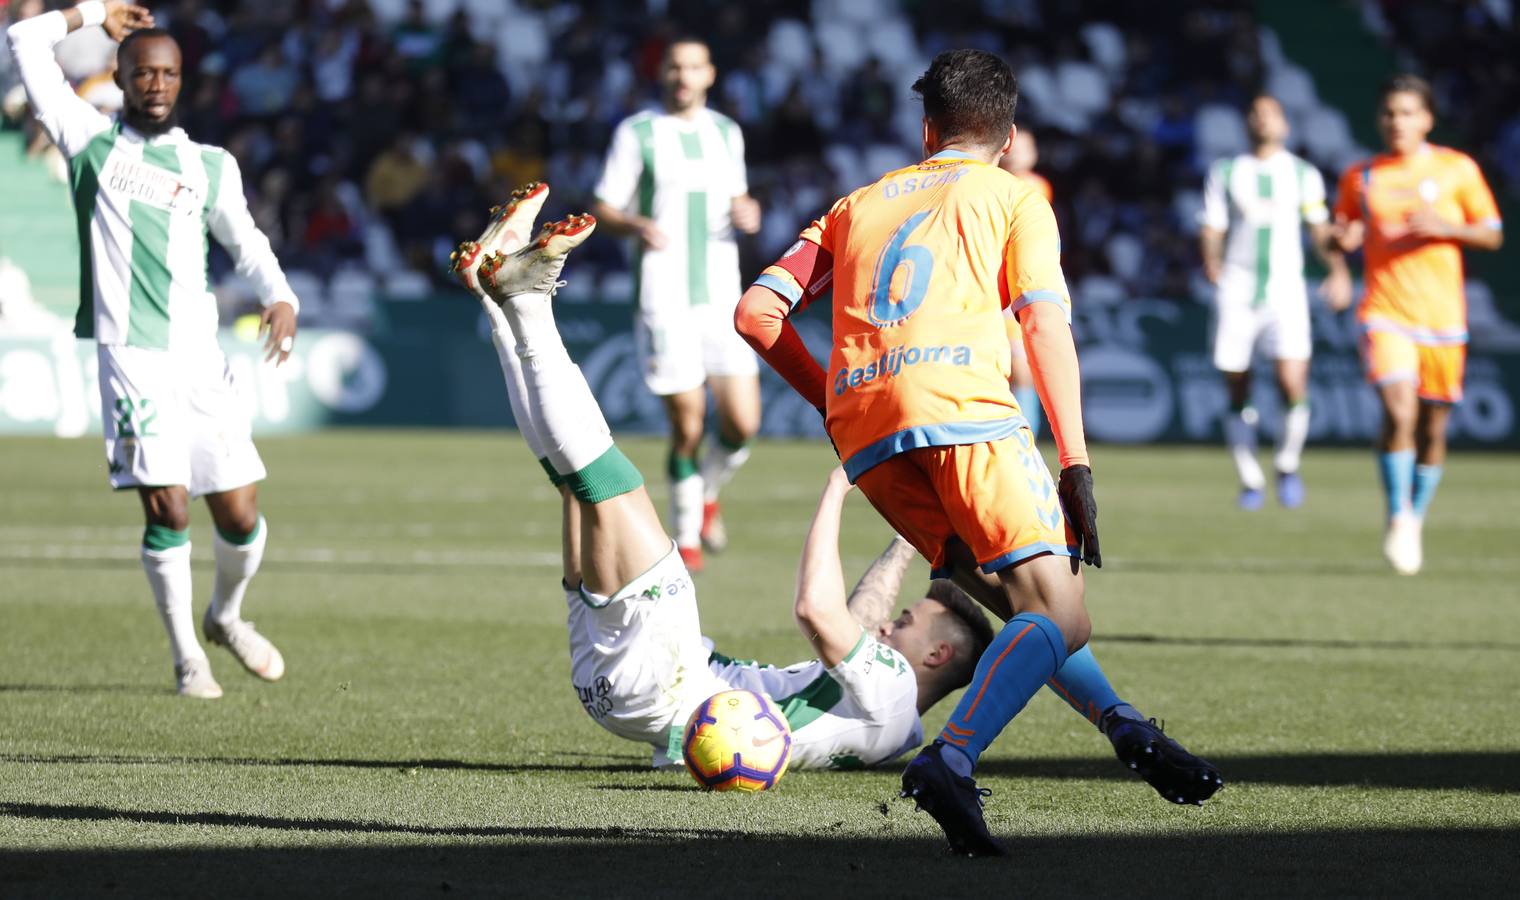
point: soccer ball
(737, 741)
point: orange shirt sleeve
(1475, 197)
(1348, 195)
(1032, 258)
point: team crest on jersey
(156, 187)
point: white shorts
(1279, 326)
(174, 418)
(679, 349)
(637, 659)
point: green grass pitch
(426, 739)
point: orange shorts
(996, 496)
(1435, 369)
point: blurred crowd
(373, 134)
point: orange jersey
(1415, 286)
(1010, 321)
(1038, 182)
(924, 262)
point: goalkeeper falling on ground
(639, 663)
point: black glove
(1076, 493)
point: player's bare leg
(166, 562)
(241, 534)
(1396, 461)
(687, 412)
(1240, 436)
(738, 400)
(1293, 386)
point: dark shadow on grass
(1313, 643)
(590, 862)
(1496, 771)
(400, 765)
(57, 813)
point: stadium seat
(1105, 44)
(1221, 132)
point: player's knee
(167, 508)
(239, 523)
(1077, 631)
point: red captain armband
(803, 272)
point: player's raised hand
(1348, 235)
(123, 18)
(1076, 493)
(277, 325)
(746, 214)
(1426, 223)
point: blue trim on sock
(1397, 472)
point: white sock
(511, 370)
(719, 464)
(1290, 446)
(169, 576)
(686, 511)
(1240, 435)
(564, 411)
(235, 567)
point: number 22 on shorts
(135, 419)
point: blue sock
(1082, 684)
(1397, 470)
(1023, 656)
(1425, 480)
(1029, 403)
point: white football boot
(193, 678)
(1403, 544)
(252, 649)
(510, 228)
(535, 268)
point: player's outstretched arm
(761, 319)
(68, 119)
(875, 595)
(1053, 362)
(233, 227)
(821, 609)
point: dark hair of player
(131, 40)
(1408, 83)
(687, 37)
(970, 631)
(969, 94)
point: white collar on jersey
(175, 135)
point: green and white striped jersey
(1260, 205)
(862, 712)
(683, 174)
(146, 209)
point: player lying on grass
(922, 265)
(638, 660)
